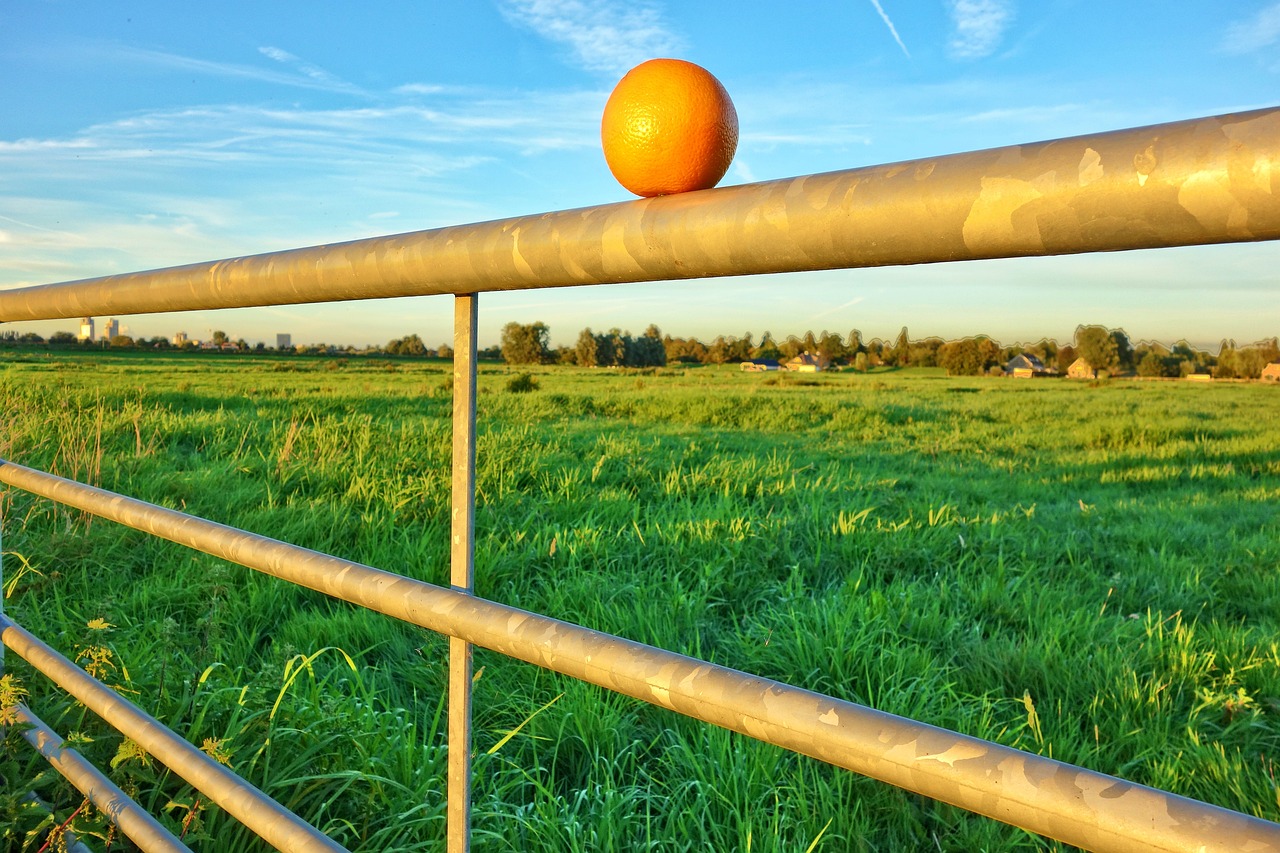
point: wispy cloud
(892, 29)
(978, 26)
(323, 79)
(603, 36)
(1256, 33)
(307, 76)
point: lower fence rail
(140, 827)
(272, 822)
(1062, 801)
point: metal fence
(1211, 180)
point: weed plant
(1083, 572)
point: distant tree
(1096, 345)
(900, 355)
(611, 348)
(122, 341)
(718, 352)
(861, 363)
(925, 353)
(685, 350)
(408, 345)
(444, 351)
(854, 343)
(961, 358)
(831, 347)
(768, 348)
(219, 338)
(1066, 356)
(526, 343)
(791, 347)
(1250, 361)
(648, 350)
(1124, 349)
(1226, 368)
(968, 357)
(1151, 365)
(62, 338)
(585, 352)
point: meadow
(1087, 571)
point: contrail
(892, 29)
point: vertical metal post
(462, 566)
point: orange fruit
(668, 127)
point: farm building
(758, 365)
(1026, 366)
(1271, 373)
(807, 363)
(1081, 369)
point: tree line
(1105, 350)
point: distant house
(1026, 366)
(1081, 369)
(1271, 373)
(1199, 377)
(807, 363)
(759, 365)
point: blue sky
(135, 135)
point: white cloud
(323, 79)
(1256, 33)
(604, 36)
(308, 76)
(892, 29)
(979, 25)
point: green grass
(960, 551)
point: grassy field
(1083, 572)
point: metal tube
(1062, 801)
(141, 828)
(1208, 180)
(274, 823)
(462, 565)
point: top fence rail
(1208, 180)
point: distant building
(1081, 369)
(179, 339)
(1271, 373)
(284, 342)
(1026, 366)
(86, 328)
(757, 365)
(110, 330)
(807, 363)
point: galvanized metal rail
(271, 821)
(1069, 803)
(139, 826)
(1208, 180)
(1203, 181)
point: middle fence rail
(1063, 801)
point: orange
(668, 127)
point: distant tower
(111, 330)
(179, 338)
(86, 328)
(284, 341)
